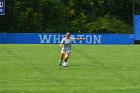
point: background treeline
(50, 16)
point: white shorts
(65, 51)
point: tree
(53, 16)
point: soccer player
(66, 47)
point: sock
(60, 62)
(66, 59)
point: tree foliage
(51, 16)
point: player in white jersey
(66, 47)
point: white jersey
(67, 43)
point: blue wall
(137, 27)
(54, 38)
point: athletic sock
(66, 60)
(60, 62)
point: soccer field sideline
(95, 68)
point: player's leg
(67, 56)
(61, 57)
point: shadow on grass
(82, 65)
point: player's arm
(79, 38)
(61, 45)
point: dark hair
(67, 32)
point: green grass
(92, 69)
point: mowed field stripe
(53, 84)
(33, 66)
(107, 68)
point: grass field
(92, 69)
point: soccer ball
(65, 64)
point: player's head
(67, 34)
